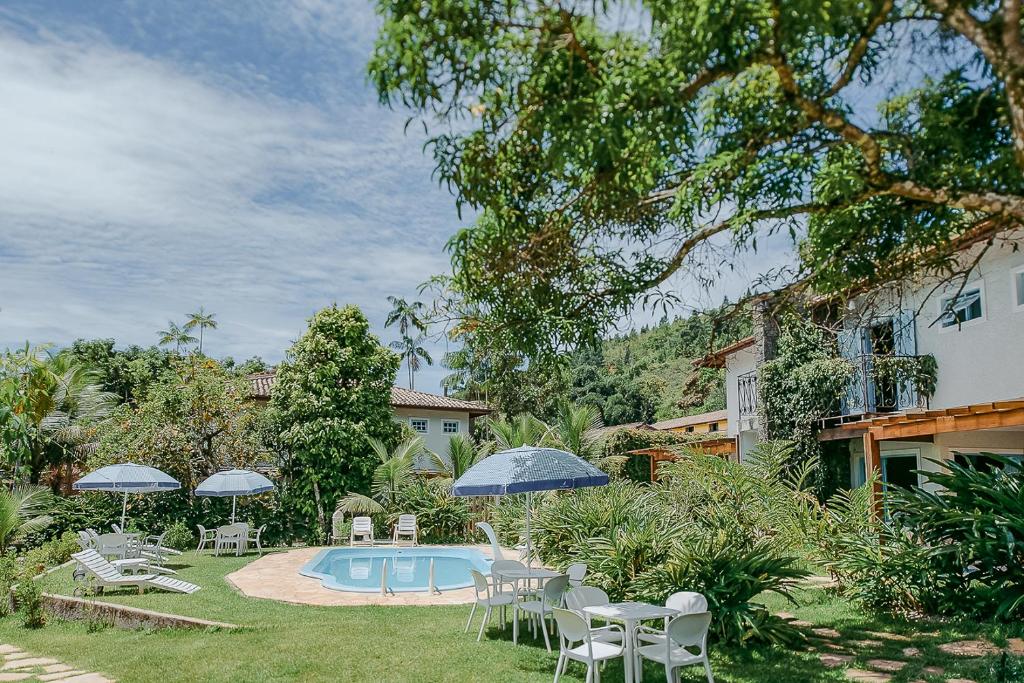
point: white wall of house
(435, 438)
(736, 364)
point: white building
(436, 419)
(974, 329)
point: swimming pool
(408, 569)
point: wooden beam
(952, 423)
(873, 464)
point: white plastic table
(629, 614)
(538, 574)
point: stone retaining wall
(67, 607)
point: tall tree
(606, 150)
(414, 353)
(408, 315)
(332, 393)
(200, 320)
(175, 334)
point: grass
(280, 642)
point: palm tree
(462, 454)
(579, 431)
(521, 430)
(407, 315)
(413, 353)
(202, 320)
(22, 512)
(393, 473)
(175, 335)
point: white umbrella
(524, 470)
(234, 483)
(127, 478)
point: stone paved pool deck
(275, 576)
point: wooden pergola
(721, 446)
(916, 424)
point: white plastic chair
(541, 608)
(362, 529)
(406, 528)
(493, 538)
(684, 602)
(576, 572)
(205, 536)
(337, 522)
(499, 583)
(589, 596)
(487, 600)
(114, 546)
(684, 631)
(254, 537)
(227, 536)
(594, 647)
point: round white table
(538, 574)
(629, 614)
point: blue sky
(161, 156)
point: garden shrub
(29, 599)
(440, 516)
(179, 536)
(9, 568)
(52, 553)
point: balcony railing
(748, 394)
(870, 392)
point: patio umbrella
(524, 470)
(234, 483)
(127, 478)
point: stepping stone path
(970, 648)
(22, 666)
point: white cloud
(133, 190)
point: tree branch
(860, 47)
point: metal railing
(748, 393)
(869, 391)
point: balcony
(748, 394)
(868, 392)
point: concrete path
(22, 666)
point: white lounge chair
(130, 564)
(685, 632)
(595, 644)
(406, 528)
(362, 531)
(103, 574)
(487, 600)
(205, 536)
(153, 547)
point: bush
(52, 553)
(440, 516)
(9, 569)
(179, 537)
(29, 599)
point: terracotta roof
(677, 422)
(608, 429)
(263, 382)
(716, 359)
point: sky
(159, 157)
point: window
(713, 427)
(420, 425)
(1018, 288)
(689, 429)
(962, 308)
(450, 427)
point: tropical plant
(462, 454)
(408, 315)
(332, 392)
(22, 511)
(200, 320)
(522, 430)
(440, 516)
(175, 334)
(394, 472)
(415, 355)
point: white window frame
(978, 285)
(1016, 273)
(902, 453)
(446, 423)
(426, 420)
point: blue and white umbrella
(127, 478)
(234, 483)
(524, 470)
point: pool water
(408, 569)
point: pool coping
(275, 576)
(328, 580)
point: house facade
(972, 328)
(436, 419)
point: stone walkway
(22, 666)
(275, 576)
(836, 650)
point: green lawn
(292, 642)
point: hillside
(648, 374)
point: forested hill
(648, 374)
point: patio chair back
(85, 540)
(95, 563)
(585, 596)
(117, 528)
(690, 630)
(480, 582)
(406, 523)
(576, 572)
(687, 602)
(554, 590)
(113, 545)
(571, 626)
(362, 525)
(493, 538)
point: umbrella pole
(124, 510)
(233, 499)
(529, 550)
